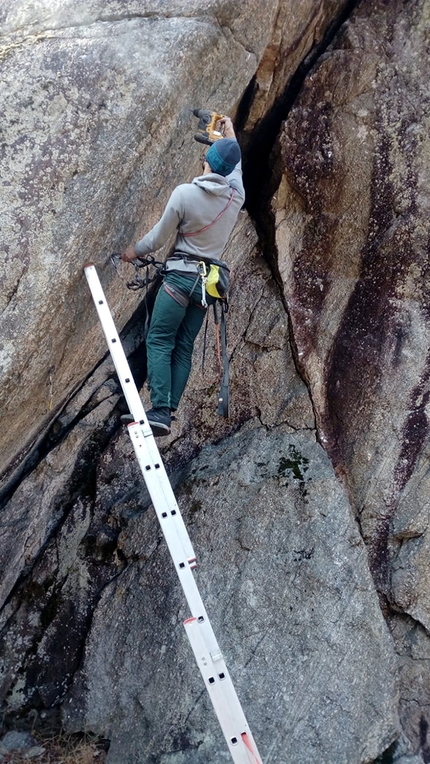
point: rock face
(97, 99)
(353, 251)
(296, 571)
(322, 467)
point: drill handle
(207, 131)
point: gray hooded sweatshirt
(195, 206)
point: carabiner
(201, 267)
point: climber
(203, 214)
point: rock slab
(284, 575)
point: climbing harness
(138, 282)
(182, 264)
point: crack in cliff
(262, 168)
(11, 294)
(261, 154)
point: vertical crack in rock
(261, 167)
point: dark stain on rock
(303, 554)
(374, 330)
(310, 172)
(196, 506)
(59, 657)
(294, 463)
(379, 560)
(415, 430)
(371, 333)
(424, 743)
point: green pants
(170, 341)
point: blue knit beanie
(223, 156)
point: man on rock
(203, 214)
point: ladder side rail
(163, 501)
(183, 570)
(168, 526)
(224, 699)
(119, 358)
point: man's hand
(228, 129)
(129, 255)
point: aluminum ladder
(203, 642)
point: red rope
(194, 233)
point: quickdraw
(202, 276)
(138, 282)
(140, 262)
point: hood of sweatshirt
(212, 183)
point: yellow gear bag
(218, 280)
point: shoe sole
(159, 429)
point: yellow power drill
(208, 128)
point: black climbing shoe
(159, 420)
